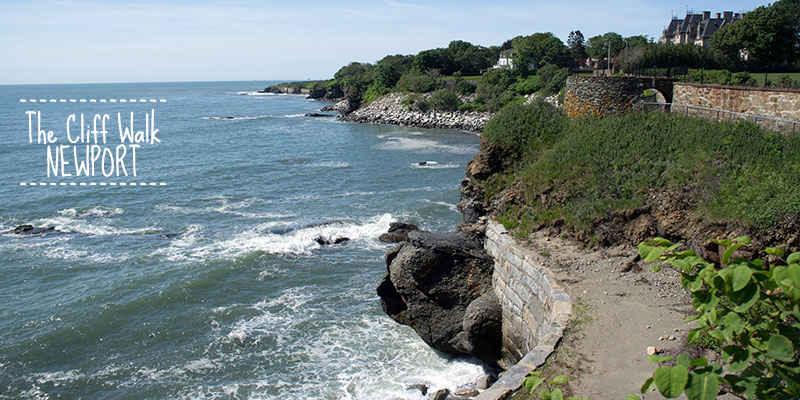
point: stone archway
(600, 96)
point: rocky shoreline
(390, 109)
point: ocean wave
(277, 237)
(254, 93)
(422, 145)
(329, 164)
(96, 227)
(247, 117)
(435, 165)
(226, 206)
(93, 212)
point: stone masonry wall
(600, 96)
(769, 102)
(535, 309)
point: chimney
(727, 14)
(719, 16)
(737, 16)
(706, 15)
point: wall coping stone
(743, 88)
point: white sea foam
(303, 240)
(226, 206)
(450, 206)
(329, 164)
(229, 118)
(93, 212)
(254, 93)
(422, 145)
(435, 165)
(98, 227)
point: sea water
(208, 281)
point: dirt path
(621, 308)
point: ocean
(206, 280)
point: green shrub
(465, 88)
(713, 76)
(423, 105)
(525, 129)
(749, 309)
(743, 79)
(552, 78)
(417, 82)
(785, 81)
(527, 86)
(444, 99)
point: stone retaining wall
(769, 102)
(535, 309)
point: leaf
(671, 381)
(648, 385)
(742, 239)
(736, 357)
(745, 298)
(655, 268)
(699, 362)
(559, 380)
(733, 321)
(653, 254)
(658, 359)
(702, 387)
(557, 395)
(661, 242)
(631, 397)
(546, 395)
(683, 360)
(532, 382)
(780, 348)
(741, 276)
(774, 251)
(793, 258)
(794, 273)
(726, 256)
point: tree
(598, 45)
(577, 45)
(764, 37)
(539, 50)
(469, 59)
(386, 75)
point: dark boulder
(32, 230)
(431, 284)
(324, 241)
(319, 115)
(398, 232)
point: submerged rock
(440, 284)
(323, 240)
(32, 230)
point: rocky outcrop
(33, 230)
(398, 232)
(440, 284)
(390, 109)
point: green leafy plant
(757, 349)
(552, 390)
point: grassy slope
(588, 167)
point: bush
(743, 79)
(527, 86)
(465, 88)
(525, 129)
(417, 82)
(552, 78)
(713, 76)
(759, 350)
(444, 99)
(785, 81)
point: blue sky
(155, 41)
